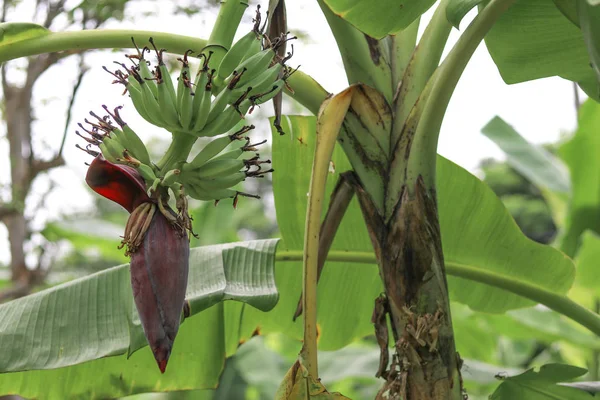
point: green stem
(357, 51)
(557, 302)
(177, 153)
(402, 46)
(97, 39)
(221, 37)
(424, 61)
(428, 130)
(307, 91)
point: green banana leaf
(589, 20)
(538, 165)
(533, 40)
(476, 231)
(542, 385)
(12, 32)
(580, 154)
(104, 237)
(457, 9)
(73, 340)
(588, 268)
(381, 18)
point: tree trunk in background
(18, 127)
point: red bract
(119, 183)
(159, 250)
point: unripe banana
(222, 183)
(262, 82)
(136, 146)
(113, 147)
(252, 67)
(145, 72)
(184, 74)
(218, 168)
(202, 100)
(151, 106)
(166, 104)
(187, 102)
(199, 193)
(254, 47)
(135, 92)
(146, 172)
(236, 54)
(218, 105)
(164, 72)
(232, 115)
(261, 98)
(107, 154)
(128, 138)
(212, 149)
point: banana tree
(378, 138)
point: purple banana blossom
(159, 251)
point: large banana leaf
(542, 385)
(589, 20)
(476, 231)
(540, 166)
(378, 19)
(581, 156)
(78, 335)
(533, 39)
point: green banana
(202, 100)
(218, 168)
(187, 103)
(252, 67)
(216, 146)
(261, 98)
(113, 148)
(142, 97)
(199, 193)
(184, 74)
(221, 183)
(137, 100)
(262, 82)
(237, 151)
(136, 146)
(254, 47)
(127, 136)
(232, 115)
(165, 100)
(107, 153)
(151, 105)
(218, 105)
(143, 69)
(236, 53)
(164, 72)
(146, 172)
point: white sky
(540, 110)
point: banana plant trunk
(425, 365)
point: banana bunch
(217, 99)
(221, 165)
(119, 145)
